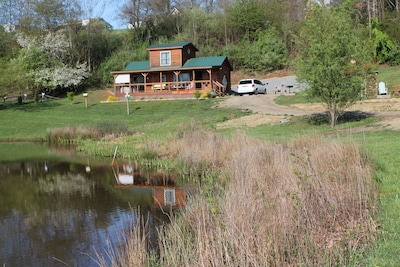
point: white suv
(251, 86)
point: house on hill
(174, 69)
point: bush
(70, 96)
(197, 94)
(207, 94)
(112, 98)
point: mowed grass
(389, 75)
(32, 120)
(383, 149)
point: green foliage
(70, 96)
(385, 50)
(36, 97)
(197, 94)
(8, 44)
(266, 53)
(207, 94)
(13, 77)
(119, 60)
(247, 18)
(331, 59)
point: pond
(59, 208)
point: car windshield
(245, 82)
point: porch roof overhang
(204, 63)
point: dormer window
(165, 58)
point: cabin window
(169, 197)
(165, 58)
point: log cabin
(174, 69)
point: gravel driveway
(264, 104)
(267, 111)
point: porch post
(115, 86)
(210, 76)
(177, 79)
(145, 76)
(161, 81)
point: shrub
(112, 98)
(207, 94)
(70, 96)
(197, 94)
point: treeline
(45, 45)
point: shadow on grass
(348, 116)
(31, 106)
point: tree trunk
(333, 115)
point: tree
(330, 59)
(247, 17)
(13, 78)
(45, 58)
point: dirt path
(268, 112)
(263, 104)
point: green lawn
(389, 75)
(154, 118)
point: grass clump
(308, 202)
(73, 134)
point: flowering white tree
(46, 60)
(60, 76)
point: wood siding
(176, 58)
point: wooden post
(115, 154)
(145, 80)
(85, 95)
(127, 96)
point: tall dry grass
(305, 203)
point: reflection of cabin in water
(160, 185)
(174, 69)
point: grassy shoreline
(153, 125)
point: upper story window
(165, 58)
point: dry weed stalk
(306, 203)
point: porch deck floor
(159, 94)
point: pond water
(59, 208)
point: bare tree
(134, 14)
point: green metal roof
(138, 65)
(168, 45)
(191, 63)
(204, 62)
